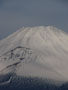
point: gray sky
(15, 14)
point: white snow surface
(37, 52)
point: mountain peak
(45, 48)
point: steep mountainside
(36, 52)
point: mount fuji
(35, 52)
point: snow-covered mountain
(36, 52)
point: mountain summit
(36, 52)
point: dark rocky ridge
(25, 83)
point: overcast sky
(15, 14)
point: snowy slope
(37, 52)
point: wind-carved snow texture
(12, 59)
(37, 52)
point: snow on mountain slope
(36, 52)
